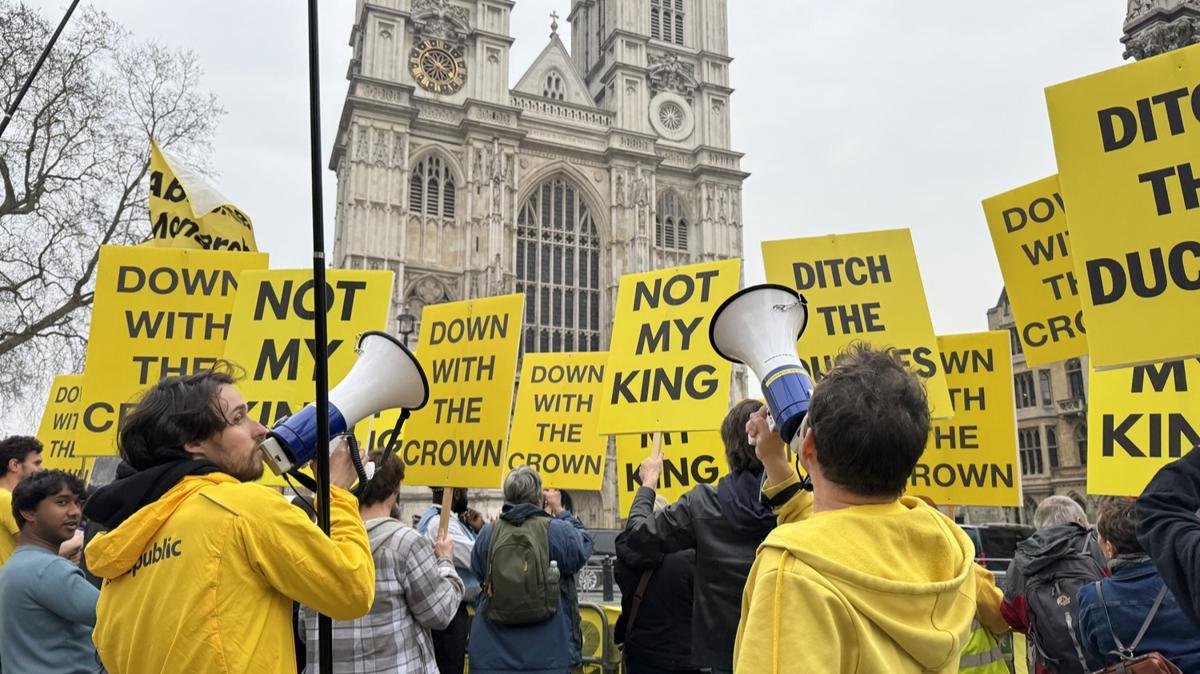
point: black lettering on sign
(176, 325)
(967, 398)
(1057, 281)
(674, 291)
(174, 192)
(472, 452)
(660, 339)
(557, 463)
(97, 417)
(562, 433)
(1041, 210)
(1160, 187)
(1178, 433)
(964, 436)
(971, 360)
(682, 471)
(166, 281)
(66, 394)
(1119, 125)
(923, 357)
(570, 374)
(1159, 374)
(275, 363)
(852, 318)
(270, 412)
(301, 301)
(1109, 278)
(652, 385)
(958, 474)
(1055, 328)
(464, 368)
(153, 369)
(562, 402)
(65, 421)
(1045, 250)
(62, 449)
(471, 329)
(835, 273)
(458, 410)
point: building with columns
(609, 158)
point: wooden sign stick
(447, 500)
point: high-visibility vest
(982, 655)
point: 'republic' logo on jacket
(158, 552)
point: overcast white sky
(853, 115)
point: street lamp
(405, 324)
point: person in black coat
(724, 524)
(657, 634)
(1169, 529)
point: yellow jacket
(202, 580)
(870, 589)
(8, 527)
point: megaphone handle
(447, 503)
(770, 424)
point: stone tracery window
(554, 88)
(666, 20)
(431, 188)
(671, 225)
(558, 269)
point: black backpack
(520, 584)
(1054, 612)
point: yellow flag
(187, 212)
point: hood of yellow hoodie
(113, 553)
(902, 566)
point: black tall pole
(12, 109)
(324, 624)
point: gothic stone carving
(440, 19)
(1163, 37)
(668, 73)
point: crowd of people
(805, 557)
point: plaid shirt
(414, 593)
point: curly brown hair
(1118, 526)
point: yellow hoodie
(869, 589)
(202, 580)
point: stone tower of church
(613, 157)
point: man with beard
(201, 565)
(22, 457)
(47, 607)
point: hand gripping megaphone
(759, 326)
(386, 376)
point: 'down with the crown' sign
(57, 429)
(971, 460)
(1029, 231)
(1128, 147)
(554, 423)
(469, 352)
(158, 312)
(690, 458)
(270, 336)
(1140, 419)
(861, 287)
(663, 374)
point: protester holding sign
(723, 524)
(857, 578)
(201, 567)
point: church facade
(609, 158)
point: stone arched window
(558, 269)
(671, 225)
(554, 87)
(431, 188)
(666, 20)
(1081, 442)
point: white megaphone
(759, 326)
(386, 376)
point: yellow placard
(1140, 419)
(187, 212)
(59, 421)
(554, 423)
(469, 352)
(158, 312)
(663, 374)
(271, 335)
(861, 287)
(1029, 231)
(971, 460)
(1126, 141)
(689, 458)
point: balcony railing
(1072, 406)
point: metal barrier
(609, 659)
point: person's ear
(808, 448)
(14, 465)
(29, 516)
(196, 449)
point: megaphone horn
(759, 327)
(386, 376)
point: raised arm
(1169, 530)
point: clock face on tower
(437, 66)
